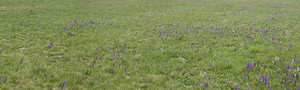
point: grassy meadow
(150, 44)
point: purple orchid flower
(22, 61)
(63, 85)
(206, 85)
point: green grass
(161, 36)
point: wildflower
(22, 61)
(167, 63)
(125, 46)
(206, 85)
(63, 85)
(4, 80)
(180, 50)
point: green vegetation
(149, 44)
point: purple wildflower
(22, 61)
(125, 46)
(206, 85)
(63, 85)
(180, 50)
(4, 80)
(167, 63)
